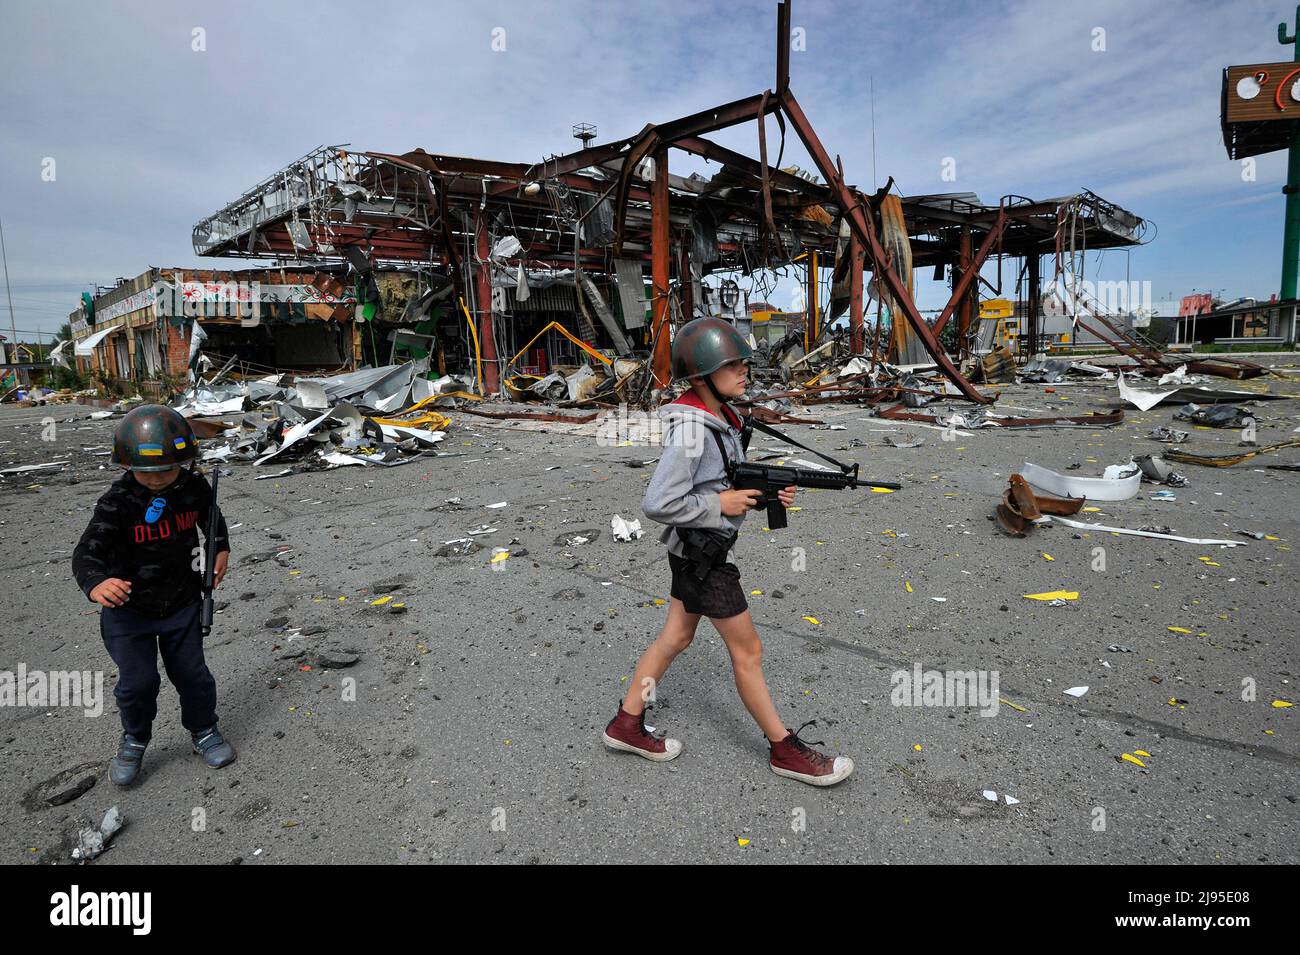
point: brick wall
(177, 348)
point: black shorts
(717, 595)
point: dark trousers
(134, 642)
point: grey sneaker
(125, 766)
(214, 749)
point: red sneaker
(795, 759)
(629, 734)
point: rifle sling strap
(750, 422)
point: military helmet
(704, 345)
(153, 438)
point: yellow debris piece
(1130, 758)
(1054, 595)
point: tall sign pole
(1291, 237)
(1261, 114)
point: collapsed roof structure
(485, 234)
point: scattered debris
(1157, 470)
(577, 538)
(901, 441)
(1021, 506)
(626, 530)
(1106, 529)
(1215, 416)
(1227, 460)
(1142, 400)
(25, 468)
(91, 843)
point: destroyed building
(608, 245)
(142, 330)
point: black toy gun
(769, 479)
(210, 558)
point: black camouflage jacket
(151, 540)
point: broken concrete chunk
(335, 660)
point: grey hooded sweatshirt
(684, 489)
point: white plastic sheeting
(1119, 482)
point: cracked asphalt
(479, 690)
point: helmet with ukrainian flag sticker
(153, 438)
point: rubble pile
(375, 416)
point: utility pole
(13, 327)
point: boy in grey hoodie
(690, 489)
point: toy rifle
(770, 479)
(210, 558)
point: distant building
(1204, 322)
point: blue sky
(148, 135)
